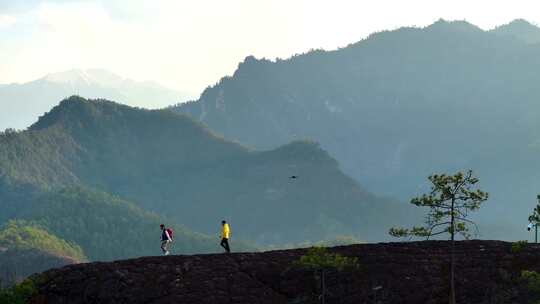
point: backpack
(170, 232)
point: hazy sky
(188, 45)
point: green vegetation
(518, 246)
(320, 261)
(20, 235)
(85, 224)
(532, 281)
(36, 158)
(398, 104)
(19, 293)
(170, 165)
(107, 227)
(534, 218)
(450, 200)
(318, 258)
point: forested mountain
(520, 29)
(400, 105)
(75, 224)
(26, 249)
(20, 235)
(21, 104)
(106, 227)
(170, 165)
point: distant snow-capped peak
(86, 77)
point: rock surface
(413, 272)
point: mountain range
(171, 166)
(399, 106)
(92, 179)
(23, 103)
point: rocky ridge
(412, 272)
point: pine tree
(451, 198)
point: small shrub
(518, 246)
(18, 294)
(532, 283)
(318, 258)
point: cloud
(181, 45)
(188, 45)
(7, 21)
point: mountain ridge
(520, 29)
(181, 169)
(396, 107)
(24, 102)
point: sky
(189, 45)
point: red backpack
(170, 232)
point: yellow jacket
(225, 231)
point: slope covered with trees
(170, 165)
(400, 105)
(26, 248)
(75, 224)
(107, 227)
(19, 235)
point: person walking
(225, 233)
(166, 239)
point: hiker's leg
(167, 244)
(164, 246)
(227, 248)
(222, 244)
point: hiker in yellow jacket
(225, 233)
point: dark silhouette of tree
(451, 198)
(534, 218)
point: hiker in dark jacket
(165, 239)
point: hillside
(22, 236)
(170, 165)
(26, 249)
(399, 106)
(23, 103)
(75, 224)
(18, 264)
(107, 227)
(390, 273)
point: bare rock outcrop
(412, 272)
